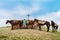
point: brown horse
(15, 24)
(54, 26)
(35, 24)
(29, 24)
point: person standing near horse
(24, 22)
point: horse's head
(52, 23)
(36, 20)
(7, 21)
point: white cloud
(18, 10)
(50, 16)
(4, 14)
(22, 10)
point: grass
(27, 34)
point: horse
(48, 25)
(35, 24)
(29, 24)
(32, 24)
(54, 26)
(15, 24)
(40, 23)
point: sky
(40, 9)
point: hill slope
(27, 34)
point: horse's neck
(9, 22)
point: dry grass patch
(27, 34)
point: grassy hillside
(27, 34)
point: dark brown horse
(54, 26)
(40, 23)
(48, 25)
(16, 24)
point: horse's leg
(21, 26)
(31, 26)
(40, 27)
(12, 27)
(53, 29)
(48, 28)
(56, 28)
(26, 26)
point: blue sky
(40, 9)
